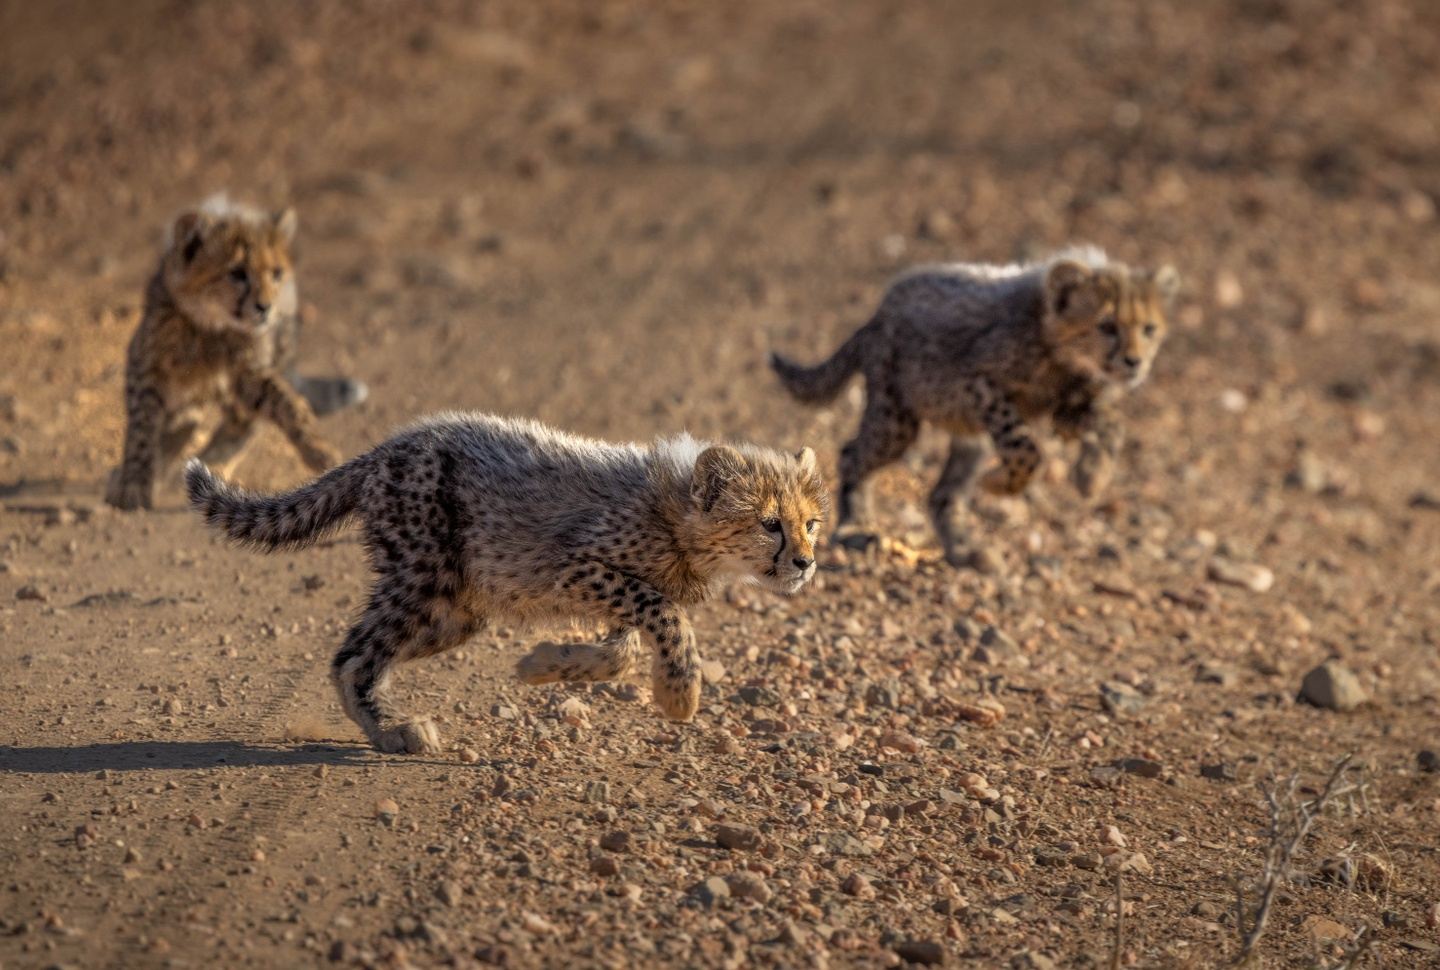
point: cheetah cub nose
(803, 562)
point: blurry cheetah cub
(220, 329)
(474, 519)
(983, 350)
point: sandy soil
(603, 215)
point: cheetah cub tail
(823, 382)
(285, 521)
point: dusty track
(604, 219)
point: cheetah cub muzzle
(987, 352)
(472, 520)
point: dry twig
(1290, 820)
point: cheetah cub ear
(188, 234)
(717, 468)
(806, 458)
(285, 222)
(1071, 291)
(1167, 282)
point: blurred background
(603, 214)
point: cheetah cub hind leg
(616, 658)
(415, 736)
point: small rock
(1121, 698)
(1210, 673)
(1333, 687)
(1425, 501)
(537, 924)
(938, 225)
(617, 841)
(386, 810)
(710, 891)
(173, 706)
(884, 695)
(738, 838)
(1229, 294)
(605, 865)
(858, 886)
(748, 885)
(132, 855)
(1322, 929)
(757, 696)
(575, 712)
(1220, 771)
(597, 792)
(469, 756)
(713, 671)
(925, 952)
(1308, 474)
(986, 561)
(450, 892)
(1136, 863)
(900, 741)
(504, 712)
(1143, 767)
(1428, 761)
(1031, 960)
(1251, 576)
(31, 592)
(985, 712)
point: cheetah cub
(220, 330)
(472, 519)
(988, 350)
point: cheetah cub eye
(772, 526)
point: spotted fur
(220, 330)
(474, 519)
(985, 351)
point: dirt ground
(603, 215)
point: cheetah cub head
(757, 513)
(1107, 322)
(228, 267)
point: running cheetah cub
(474, 519)
(220, 330)
(986, 350)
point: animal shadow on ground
(173, 756)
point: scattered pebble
(616, 841)
(924, 952)
(1251, 576)
(738, 838)
(711, 891)
(1119, 698)
(1219, 771)
(858, 886)
(901, 741)
(1333, 687)
(1143, 767)
(748, 885)
(387, 811)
